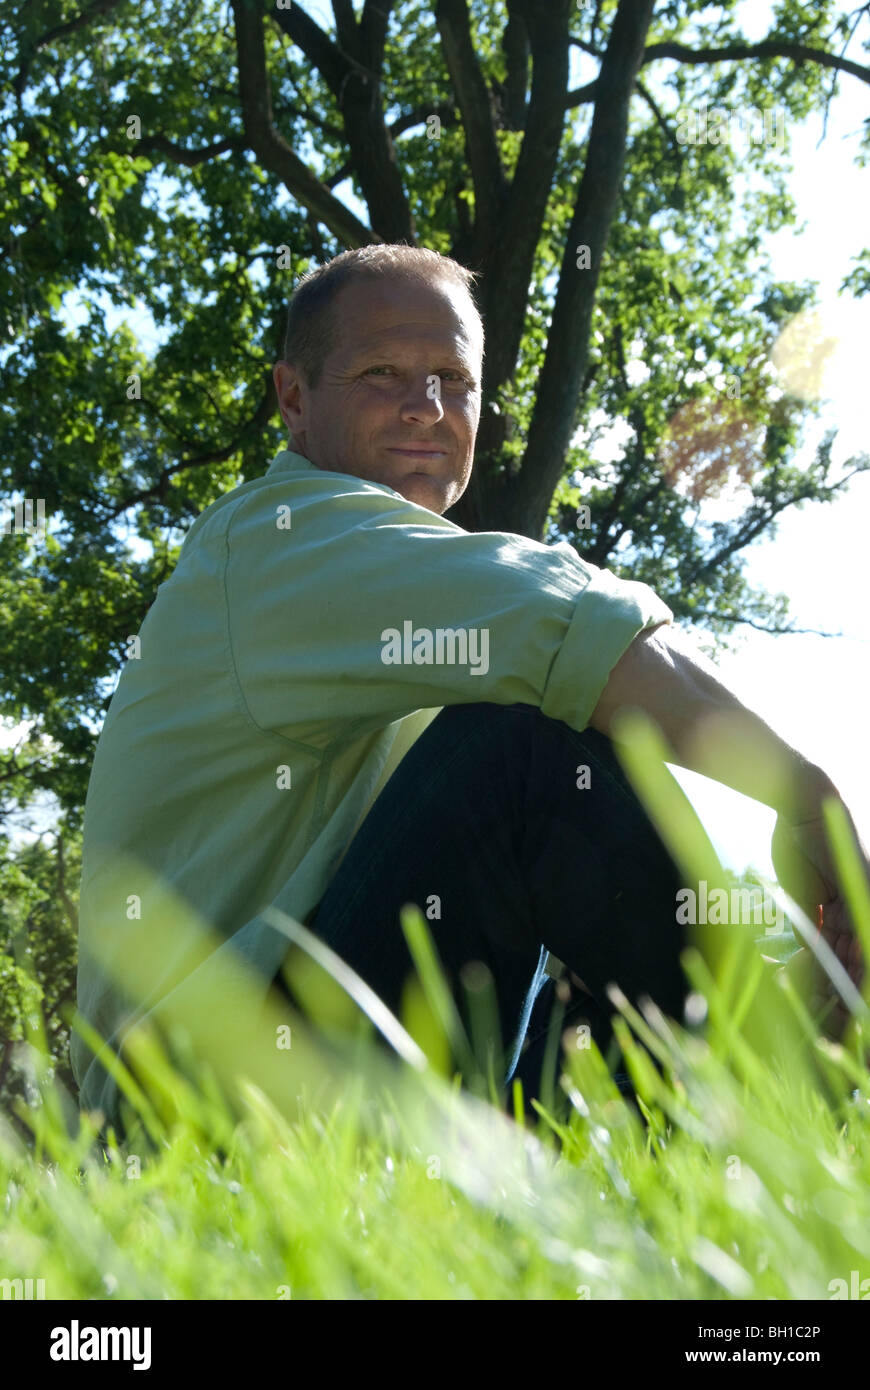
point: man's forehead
(378, 314)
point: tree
(166, 162)
(38, 930)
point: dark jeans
(485, 814)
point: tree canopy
(190, 160)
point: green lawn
(342, 1172)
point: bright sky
(811, 689)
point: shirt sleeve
(371, 607)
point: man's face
(404, 375)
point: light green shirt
(313, 627)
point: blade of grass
(438, 992)
(363, 996)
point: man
(344, 703)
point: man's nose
(423, 400)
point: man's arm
(709, 731)
(706, 726)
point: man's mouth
(420, 453)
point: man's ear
(288, 389)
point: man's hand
(805, 868)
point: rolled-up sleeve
(338, 618)
(608, 615)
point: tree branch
(594, 210)
(753, 527)
(158, 144)
(260, 417)
(59, 31)
(512, 253)
(741, 538)
(419, 115)
(332, 62)
(580, 96)
(768, 48)
(671, 146)
(398, 127)
(472, 96)
(4, 1062)
(760, 627)
(515, 46)
(653, 106)
(335, 132)
(507, 261)
(353, 74)
(345, 21)
(373, 28)
(833, 88)
(270, 148)
(8, 775)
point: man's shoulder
(217, 518)
(312, 505)
(293, 483)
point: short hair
(311, 332)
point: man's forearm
(706, 727)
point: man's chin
(424, 492)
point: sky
(812, 690)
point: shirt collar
(287, 461)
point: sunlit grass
(340, 1168)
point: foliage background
(186, 220)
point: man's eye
(457, 378)
(450, 372)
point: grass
(334, 1170)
